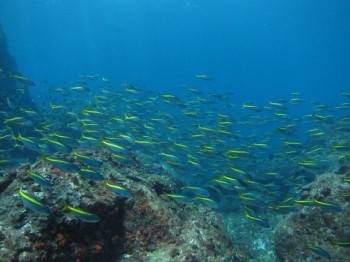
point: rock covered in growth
(147, 226)
(162, 230)
(315, 225)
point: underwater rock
(13, 87)
(7, 64)
(7, 61)
(146, 226)
(343, 170)
(320, 226)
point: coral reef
(147, 226)
(325, 227)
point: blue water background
(261, 50)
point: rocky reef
(146, 226)
(322, 226)
(14, 89)
(7, 61)
(7, 64)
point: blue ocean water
(261, 50)
(272, 117)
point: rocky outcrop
(319, 225)
(11, 88)
(7, 64)
(146, 226)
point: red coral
(61, 240)
(143, 209)
(38, 245)
(57, 171)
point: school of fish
(262, 154)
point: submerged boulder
(322, 225)
(146, 226)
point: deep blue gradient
(261, 50)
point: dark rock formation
(7, 64)
(10, 87)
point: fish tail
(65, 206)
(43, 157)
